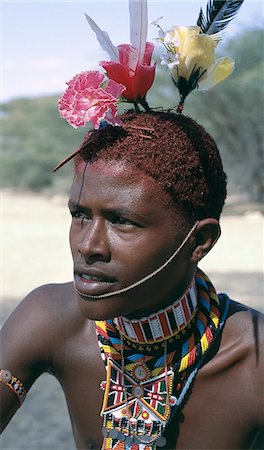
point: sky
(44, 44)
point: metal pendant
(140, 372)
(136, 440)
(121, 436)
(129, 441)
(113, 434)
(137, 391)
(146, 439)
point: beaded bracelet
(13, 383)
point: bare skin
(53, 329)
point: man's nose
(94, 243)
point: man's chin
(102, 309)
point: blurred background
(44, 44)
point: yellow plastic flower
(222, 68)
(196, 66)
(197, 53)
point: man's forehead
(117, 174)
(118, 181)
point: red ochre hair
(174, 150)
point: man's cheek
(73, 246)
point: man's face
(122, 229)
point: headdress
(93, 97)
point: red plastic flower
(87, 99)
(137, 76)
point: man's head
(132, 205)
(179, 154)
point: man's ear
(205, 236)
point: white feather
(138, 13)
(104, 40)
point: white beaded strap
(147, 277)
(13, 383)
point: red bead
(103, 385)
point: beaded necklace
(148, 379)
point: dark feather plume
(218, 16)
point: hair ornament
(89, 97)
(190, 50)
(132, 63)
(93, 97)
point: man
(184, 366)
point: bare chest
(215, 414)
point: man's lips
(94, 274)
(92, 281)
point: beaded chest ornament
(151, 363)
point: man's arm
(26, 346)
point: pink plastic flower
(137, 76)
(85, 100)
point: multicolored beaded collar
(147, 382)
(164, 324)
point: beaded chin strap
(147, 383)
(147, 277)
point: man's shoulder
(55, 293)
(244, 321)
(243, 344)
(48, 302)
(244, 328)
(45, 325)
(40, 322)
(237, 361)
(240, 343)
(54, 290)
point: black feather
(218, 16)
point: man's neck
(162, 324)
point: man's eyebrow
(115, 211)
(72, 204)
(120, 211)
(129, 213)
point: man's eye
(78, 215)
(121, 221)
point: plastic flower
(190, 56)
(136, 75)
(130, 64)
(90, 98)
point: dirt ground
(35, 250)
